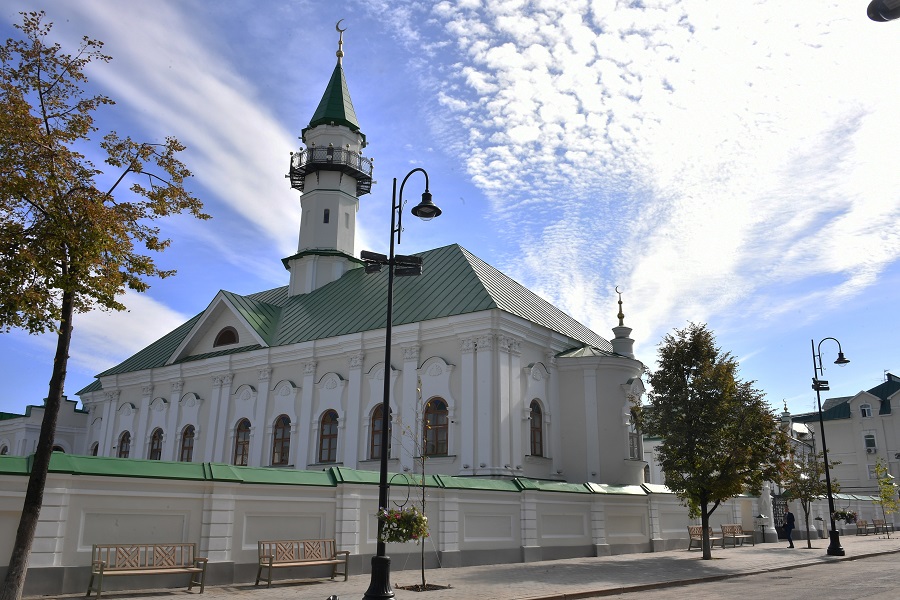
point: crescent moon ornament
(340, 51)
(617, 290)
(337, 26)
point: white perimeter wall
(227, 519)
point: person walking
(789, 527)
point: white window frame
(865, 410)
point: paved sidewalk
(557, 579)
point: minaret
(622, 344)
(332, 174)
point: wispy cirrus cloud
(711, 159)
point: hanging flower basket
(403, 525)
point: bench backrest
(877, 522)
(697, 530)
(297, 550)
(732, 529)
(861, 523)
(119, 557)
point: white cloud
(699, 155)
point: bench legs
(99, 588)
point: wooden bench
(108, 560)
(735, 532)
(863, 527)
(881, 526)
(299, 553)
(695, 534)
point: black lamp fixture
(401, 266)
(820, 385)
(884, 10)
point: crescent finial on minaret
(621, 315)
(340, 51)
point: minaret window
(436, 427)
(242, 443)
(156, 441)
(124, 445)
(327, 216)
(227, 336)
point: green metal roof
(454, 282)
(105, 466)
(335, 107)
(262, 316)
(620, 490)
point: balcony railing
(329, 158)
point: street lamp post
(380, 583)
(820, 385)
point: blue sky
(727, 163)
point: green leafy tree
(719, 437)
(71, 236)
(802, 478)
(887, 492)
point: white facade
(860, 430)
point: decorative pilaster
(306, 424)
(467, 405)
(352, 454)
(485, 386)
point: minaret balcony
(313, 160)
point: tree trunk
(704, 522)
(14, 582)
(806, 508)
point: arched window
(635, 444)
(435, 428)
(537, 429)
(124, 445)
(242, 443)
(377, 432)
(227, 336)
(187, 444)
(156, 440)
(4, 450)
(281, 440)
(59, 449)
(95, 448)
(328, 437)
(865, 410)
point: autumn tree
(887, 493)
(803, 480)
(71, 235)
(719, 437)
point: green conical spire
(335, 106)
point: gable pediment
(222, 326)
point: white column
(412, 408)
(554, 438)
(173, 431)
(505, 403)
(306, 425)
(467, 406)
(484, 404)
(591, 425)
(353, 417)
(111, 437)
(140, 437)
(348, 519)
(262, 449)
